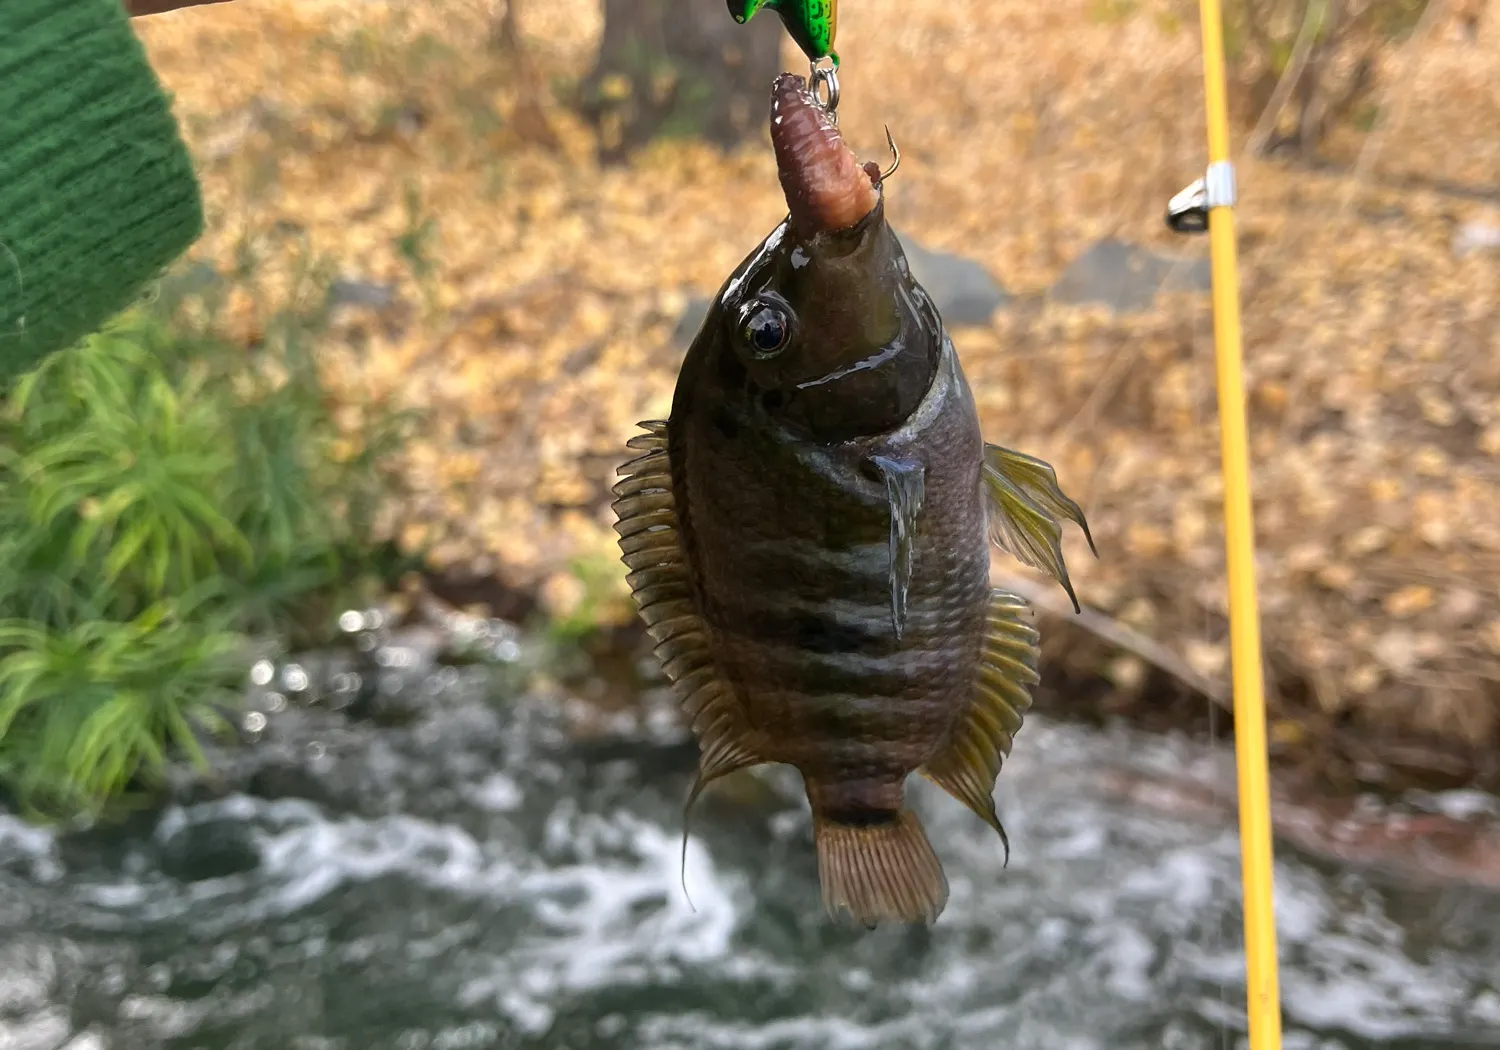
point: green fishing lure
(811, 23)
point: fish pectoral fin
(905, 486)
(884, 872)
(1026, 511)
(650, 539)
(969, 764)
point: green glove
(97, 190)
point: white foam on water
(1105, 915)
(1465, 805)
(303, 857)
(87, 1040)
(165, 1018)
(18, 838)
(612, 915)
(45, 1030)
(609, 922)
(705, 1032)
(27, 975)
(497, 793)
(28, 848)
(1109, 921)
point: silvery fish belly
(808, 535)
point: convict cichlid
(808, 535)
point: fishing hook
(895, 155)
(825, 76)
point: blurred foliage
(165, 492)
(583, 597)
(1332, 49)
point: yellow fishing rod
(1209, 204)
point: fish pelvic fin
(650, 544)
(1026, 512)
(968, 765)
(905, 486)
(884, 871)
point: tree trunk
(527, 117)
(679, 67)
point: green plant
(414, 243)
(87, 711)
(599, 592)
(164, 493)
(1111, 11)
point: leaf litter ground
(535, 295)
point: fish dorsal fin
(651, 547)
(968, 764)
(905, 485)
(1026, 510)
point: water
(481, 878)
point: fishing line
(1208, 205)
(1262, 999)
(1203, 365)
(1370, 149)
(1121, 365)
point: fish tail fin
(883, 871)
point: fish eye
(767, 328)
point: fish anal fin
(884, 871)
(968, 765)
(1026, 509)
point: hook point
(890, 142)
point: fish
(808, 535)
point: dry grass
(543, 297)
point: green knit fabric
(97, 190)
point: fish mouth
(826, 188)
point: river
(483, 875)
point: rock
(210, 850)
(964, 292)
(361, 293)
(690, 320)
(1126, 277)
(1475, 237)
(194, 278)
